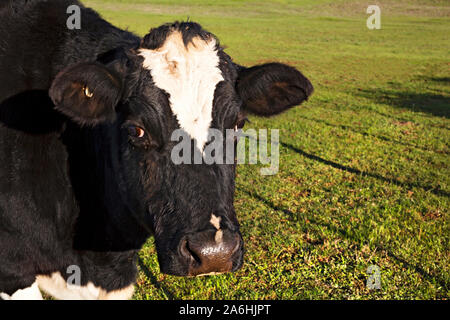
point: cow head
(133, 99)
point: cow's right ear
(87, 93)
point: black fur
(87, 93)
(189, 30)
(272, 88)
(75, 187)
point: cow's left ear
(272, 88)
(87, 93)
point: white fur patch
(215, 221)
(190, 75)
(30, 293)
(219, 236)
(57, 287)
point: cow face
(178, 78)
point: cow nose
(211, 251)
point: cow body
(85, 170)
(38, 206)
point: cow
(86, 176)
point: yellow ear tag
(87, 92)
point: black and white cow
(86, 176)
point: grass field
(364, 165)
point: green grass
(364, 164)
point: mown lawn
(364, 164)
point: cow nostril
(187, 252)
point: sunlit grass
(364, 168)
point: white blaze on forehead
(190, 75)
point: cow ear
(272, 88)
(87, 93)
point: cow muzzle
(212, 252)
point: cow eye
(135, 131)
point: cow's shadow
(436, 104)
(30, 112)
(150, 276)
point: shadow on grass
(438, 79)
(406, 185)
(405, 264)
(150, 276)
(396, 117)
(434, 104)
(344, 127)
(268, 202)
(430, 277)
